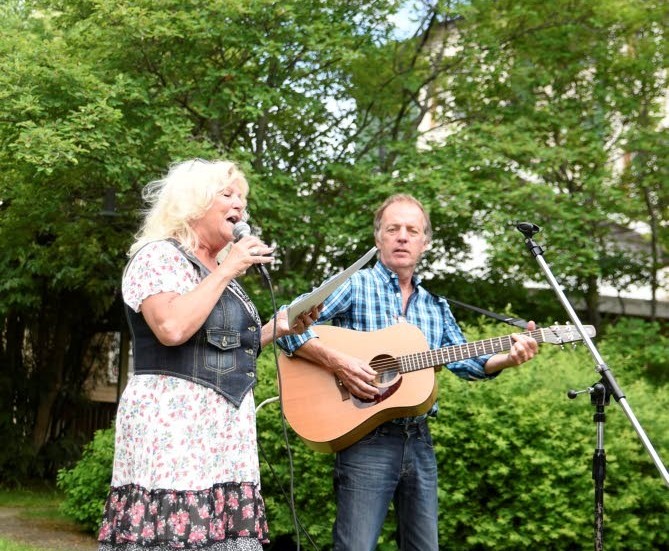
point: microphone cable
(297, 524)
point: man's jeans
(394, 462)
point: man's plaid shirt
(371, 299)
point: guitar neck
(448, 354)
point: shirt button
(252, 329)
(249, 351)
(251, 375)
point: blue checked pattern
(371, 299)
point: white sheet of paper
(318, 295)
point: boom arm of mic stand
(528, 230)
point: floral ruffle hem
(184, 519)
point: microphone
(242, 229)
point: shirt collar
(387, 275)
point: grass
(36, 502)
(7, 545)
(30, 496)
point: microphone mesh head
(241, 229)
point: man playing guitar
(395, 461)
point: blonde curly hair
(183, 195)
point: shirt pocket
(220, 350)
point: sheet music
(307, 302)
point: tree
(99, 98)
(548, 97)
(58, 126)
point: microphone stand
(599, 394)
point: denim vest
(221, 355)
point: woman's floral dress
(186, 473)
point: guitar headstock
(561, 334)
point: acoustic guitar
(329, 418)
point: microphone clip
(527, 228)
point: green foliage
(86, 484)
(310, 475)
(62, 147)
(542, 84)
(642, 346)
(516, 457)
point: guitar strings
(395, 364)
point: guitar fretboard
(449, 354)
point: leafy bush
(87, 484)
(516, 459)
(311, 474)
(641, 346)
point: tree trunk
(50, 339)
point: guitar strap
(517, 322)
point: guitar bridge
(345, 394)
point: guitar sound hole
(387, 380)
(387, 369)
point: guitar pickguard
(385, 393)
